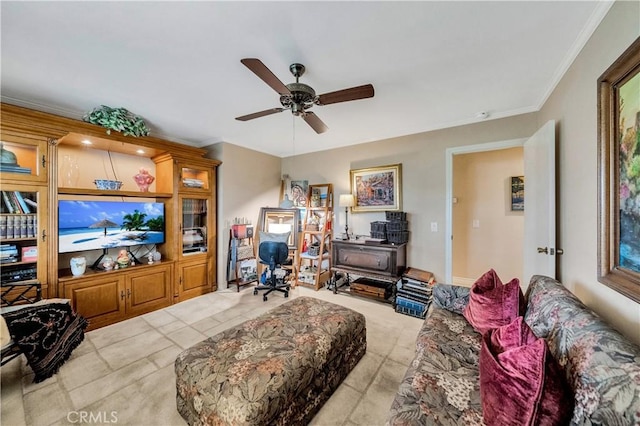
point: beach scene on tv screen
(91, 225)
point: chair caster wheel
(286, 294)
(264, 298)
(255, 292)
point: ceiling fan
(299, 97)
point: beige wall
(423, 178)
(247, 180)
(574, 105)
(481, 186)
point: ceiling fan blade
(259, 114)
(315, 122)
(352, 94)
(265, 74)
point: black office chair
(273, 253)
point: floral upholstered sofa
(442, 385)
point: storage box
(379, 235)
(313, 250)
(29, 254)
(399, 237)
(395, 215)
(371, 288)
(379, 227)
(411, 312)
(397, 225)
(239, 231)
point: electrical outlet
(434, 226)
(476, 223)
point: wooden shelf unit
(39, 139)
(237, 255)
(314, 270)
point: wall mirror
(279, 221)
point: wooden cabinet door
(148, 290)
(100, 300)
(194, 279)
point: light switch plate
(434, 226)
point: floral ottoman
(276, 369)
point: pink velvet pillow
(492, 304)
(520, 382)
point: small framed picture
(517, 193)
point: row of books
(14, 202)
(18, 226)
(414, 292)
(8, 253)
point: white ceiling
(177, 64)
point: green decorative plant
(118, 119)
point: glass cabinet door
(195, 213)
(23, 159)
(194, 178)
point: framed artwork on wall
(517, 193)
(299, 192)
(619, 174)
(377, 188)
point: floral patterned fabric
(601, 365)
(277, 369)
(442, 385)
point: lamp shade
(346, 200)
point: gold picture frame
(618, 177)
(377, 188)
(279, 220)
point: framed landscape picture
(377, 188)
(619, 174)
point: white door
(539, 251)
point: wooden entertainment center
(185, 182)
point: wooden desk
(380, 262)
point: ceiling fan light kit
(299, 97)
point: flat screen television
(93, 225)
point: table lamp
(346, 201)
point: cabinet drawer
(379, 259)
(374, 261)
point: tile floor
(123, 374)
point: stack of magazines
(413, 295)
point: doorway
(479, 220)
(539, 251)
